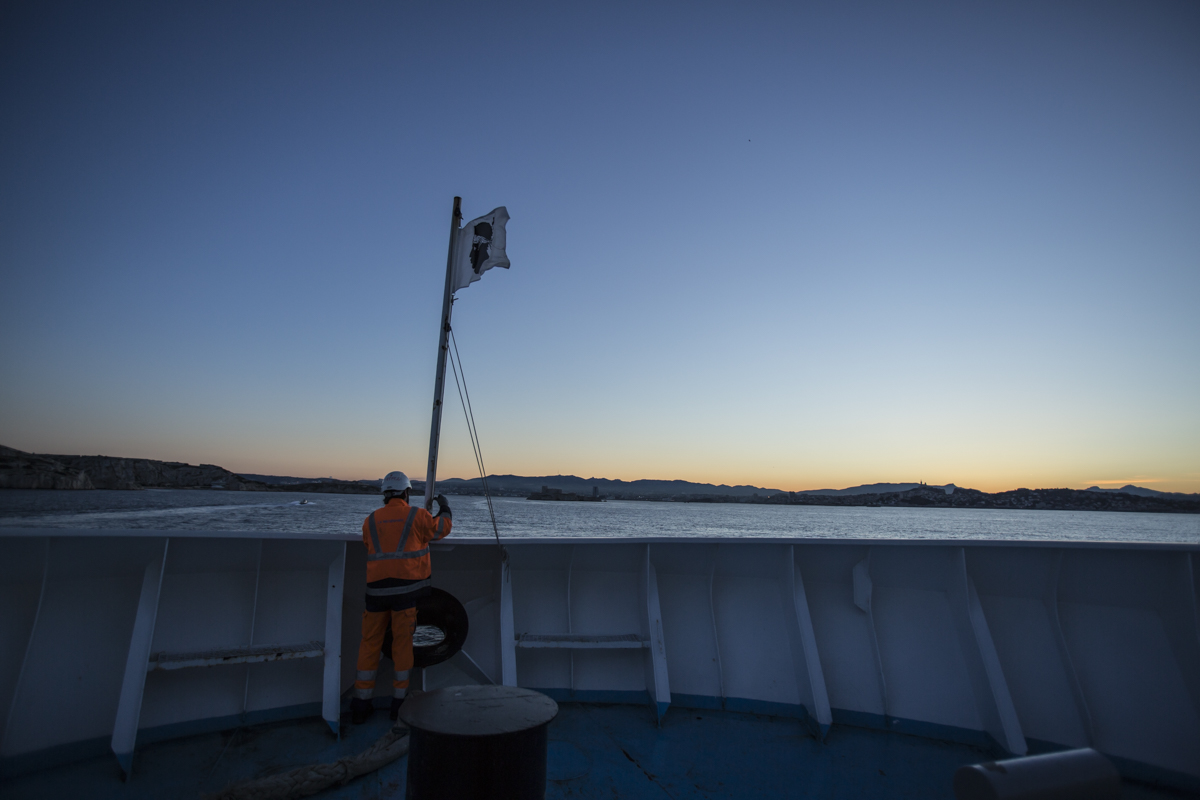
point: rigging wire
(464, 396)
(471, 431)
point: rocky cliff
(20, 470)
(108, 472)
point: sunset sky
(791, 245)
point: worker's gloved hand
(443, 505)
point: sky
(790, 245)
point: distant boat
(558, 494)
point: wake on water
(149, 513)
(518, 517)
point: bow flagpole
(439, 381)
(473, 250)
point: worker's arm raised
(443, 518)
(430, 528)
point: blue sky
(790, 245)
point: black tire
(438, 609)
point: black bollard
(477, 743)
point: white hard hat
(396, 482)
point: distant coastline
(21, 470)
(915, 495)
(937, 497)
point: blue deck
(595, 751)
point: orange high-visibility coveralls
(397, 537)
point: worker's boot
(396, 703)
(360, 710)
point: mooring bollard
(477, 742)
(1080, 774)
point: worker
(397, 537)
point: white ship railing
(1025, 645)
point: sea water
(181, 509)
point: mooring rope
(464, 396)
(307, 781)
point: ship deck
(594, 751)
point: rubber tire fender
(438, 609)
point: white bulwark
(112, 639)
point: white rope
(307, 781)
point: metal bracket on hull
(862, 584)
(1191, 638)
(129, 707)
(331, 698)
(33, 626)
(508, 645)
(996, 701)
(253, 619)
(657, 681)
(862, 599)
(712, 614)
(800, 628)
(570, 653)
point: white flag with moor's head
(480, 247)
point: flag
(480, 247)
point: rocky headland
(21, 470)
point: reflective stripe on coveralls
(408, 554)
(365, 675)
(400, 552)
(374, 626)
(388, 537)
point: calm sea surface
(169, 509)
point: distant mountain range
(879, 488)
(645, 489)
(21, 470)
(870, 495)
(627, 490)
(945, 497)
(286, 480)
(1141, 492)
